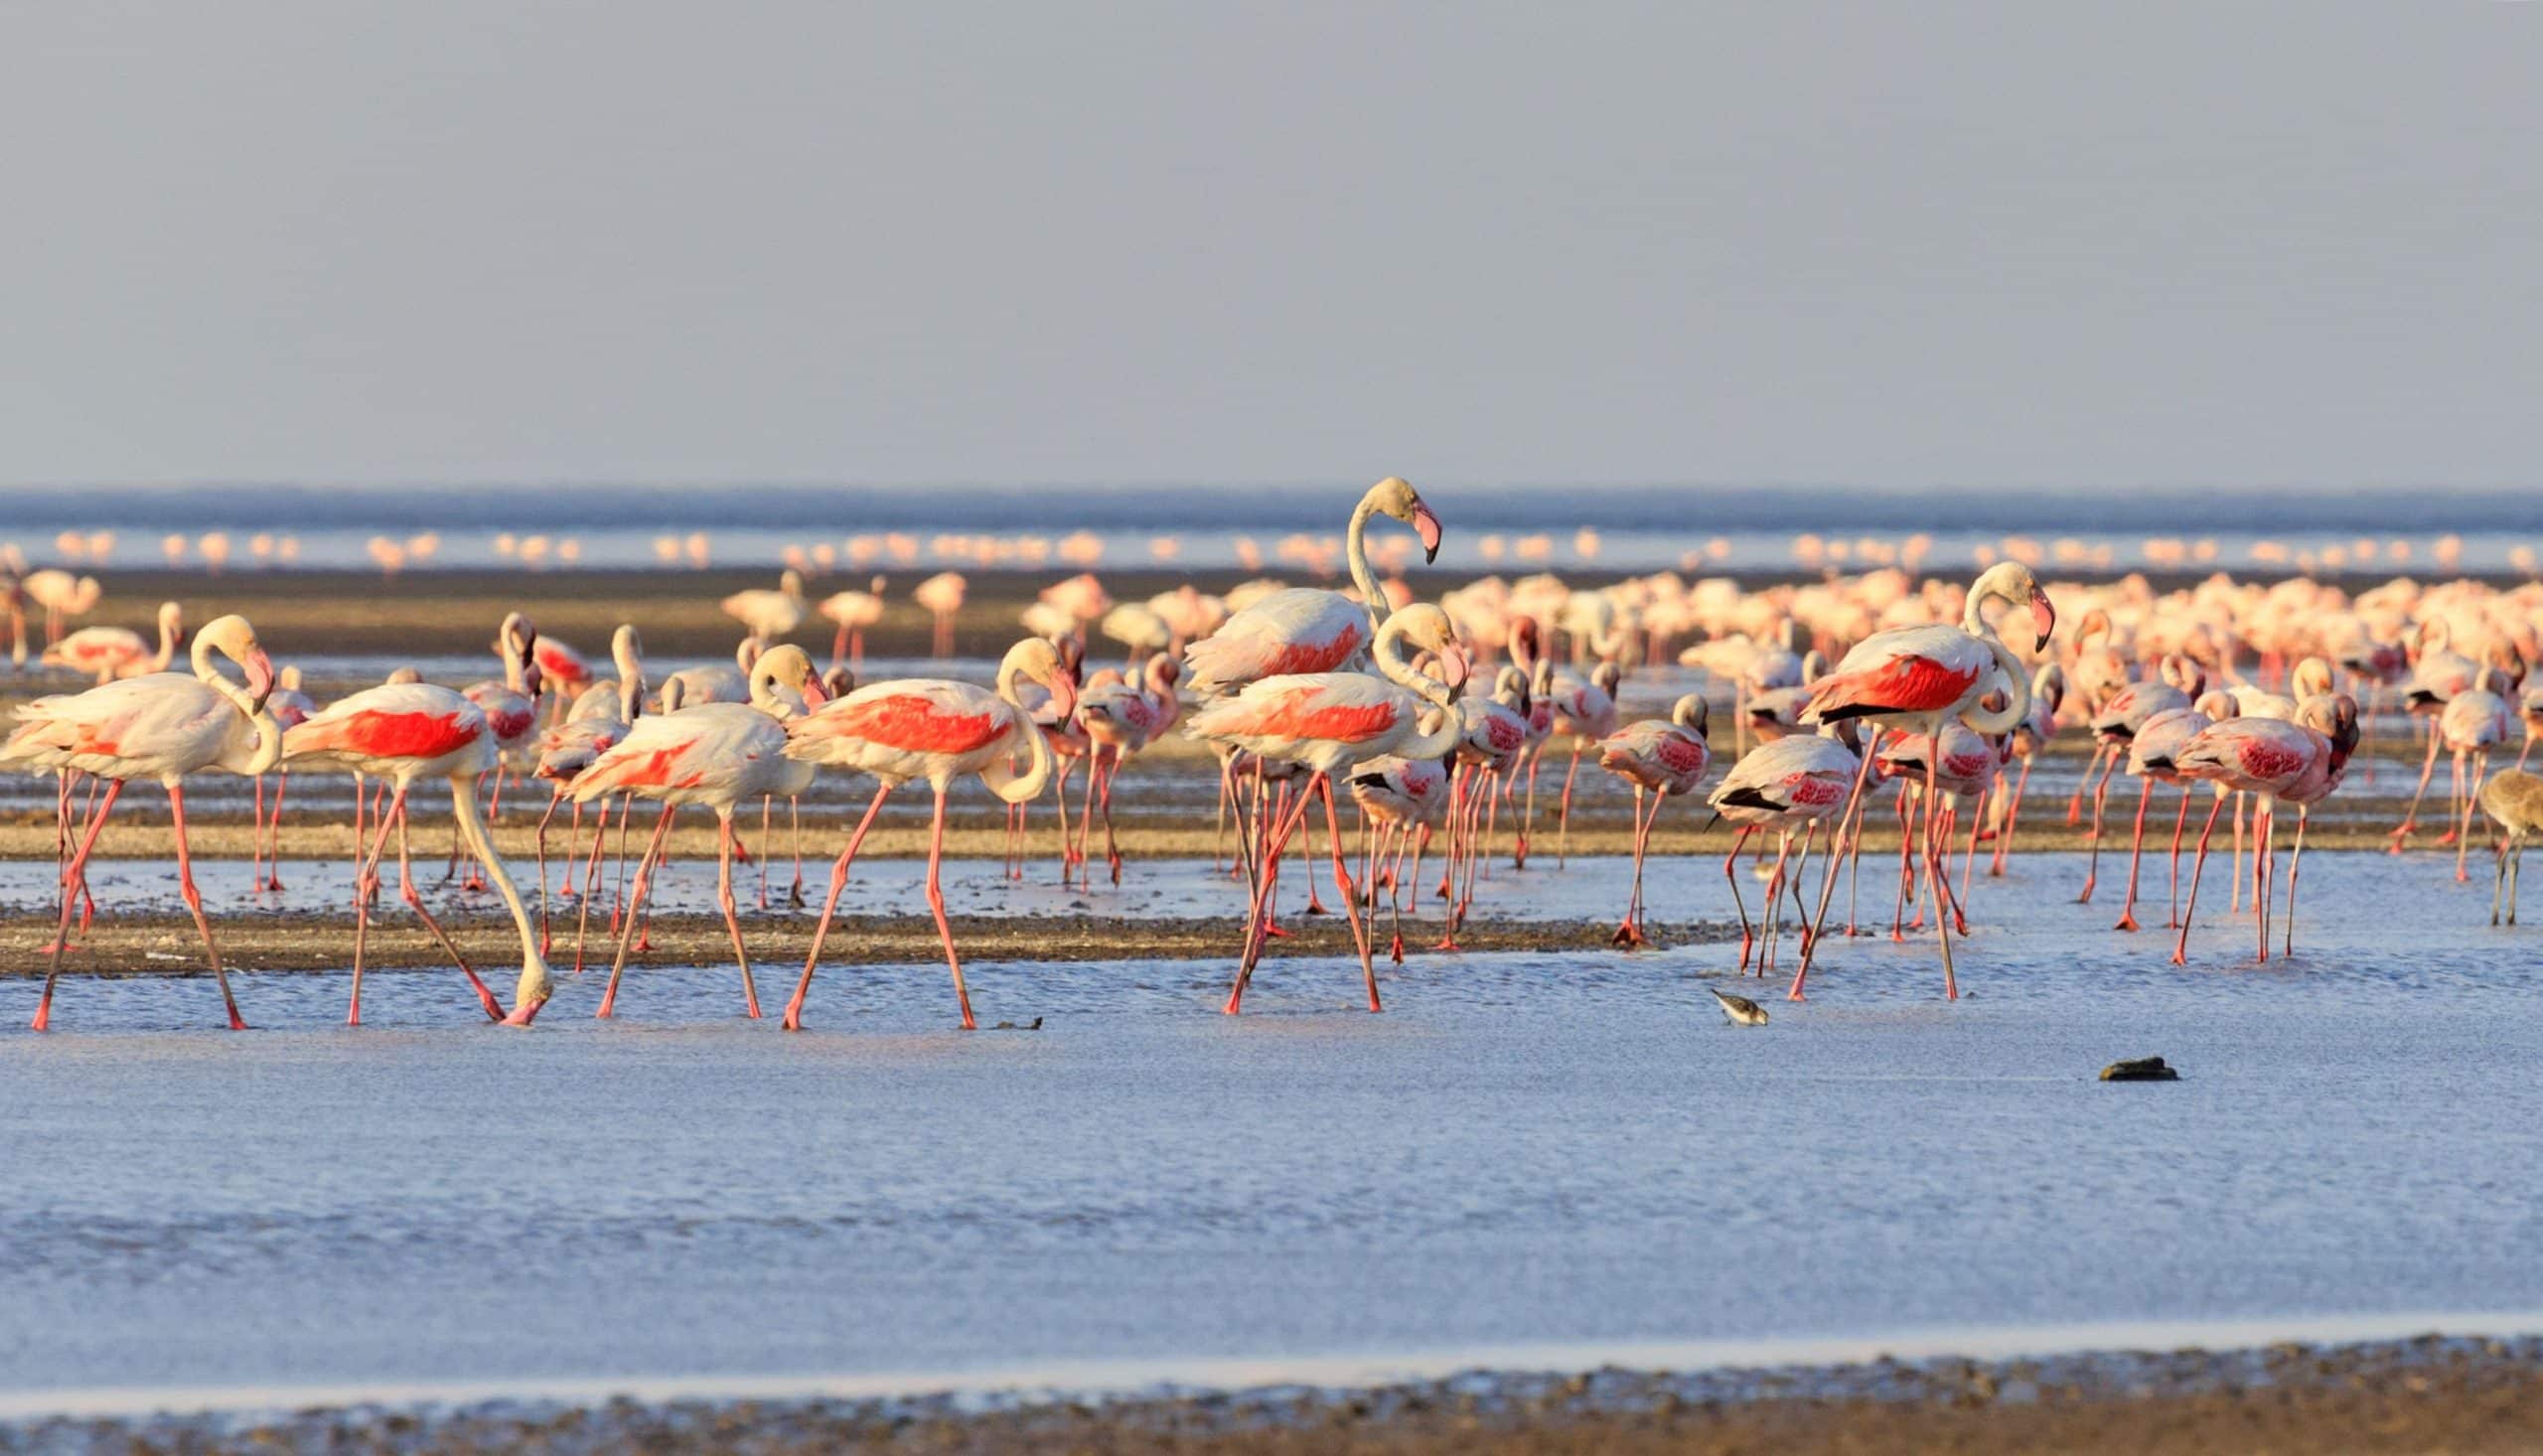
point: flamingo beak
(2042, 616)
(1064, 694)
(260, 677)
(1454, 668)
(813, 697)
(1428, 527)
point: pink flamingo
(105, 653)
(2473, 723)
(1120, 720)
(853, 611)
(1492, 738)
(2297, 763)
(2152, 752)
(163, 726)
(61, 596)
(1330, 721)
(400, 732)
(1921, 677)
(599, 718)
(716, 755)
(1794, 783)
(769, 615)
(1403, 799)
(511, 706)
(1661, 759)
(2436, 675)
(942, 595)
(1584, 711)
(937, 730)
(2118, 720)
(2038, 730)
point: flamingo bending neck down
(163, 726)
(937, 730)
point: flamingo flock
(1852, 703)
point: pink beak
(1064, 694)
(2042, 616)
(1454, 666)
(814, 697)
(1428, 527)
(260, 677)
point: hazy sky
(1887, 242)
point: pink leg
(732, 922)
(71, 878)
(365, 869)
(635, 898)
(194, 901)
(2198, 867)
(829, 906)
(406, 891)
(1342, 887)
(2135, 844)
(935, 905)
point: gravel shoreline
(2429, 1394)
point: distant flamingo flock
(1830, 706)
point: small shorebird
(1739, 1010)
(2513, 799)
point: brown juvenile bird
(1739, 1010)
(2513, 799)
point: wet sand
(2418, 1396)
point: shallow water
(1544, 1150)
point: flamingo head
(234, 638)
(1052, 662)
(1396, 497)
(1692, 713)
(837, 683)
(788, 666)
(2334, 716)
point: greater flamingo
(713, 754)
(769, 615)
(937, 730)
(1792, 783)
(164, 726)
(1920, 677)
(1661, 759)
(400, 732)
(105, 653)
(853, 611)
(2297, 763)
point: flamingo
(1584, 711)
(401, 732)
(942, 595)
(2036, 731)
(712, 754)
(1330, 721)
(599, 718)
(1288, 630)
(2118, 720)
(61, 596)
(1921, 677)
(2473, 723)
(1965, 761)
(511, 706)
(2439, 673)
(2297, 763)
(2152, 754)
(1492, 735)
(105, 653)
(1661, 759)
(853, 611)
(1792, 783)
(937, 730)
(1402, 797)
(769, 615)
(1122, 719)
(163, 726)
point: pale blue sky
(1878, 242)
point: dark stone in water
(1034, 1025)
(2144, 1068)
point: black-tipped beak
(1428, 527)
(2044, 617)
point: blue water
(1556, 1150)
(1489, 527)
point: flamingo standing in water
(2118, 720)
(2297, 763)
(105, 653)
(1328, 722)
(1792, 783)
(1920, 677)
(61, 596)
(1404, 800)
(2473, 723)
(400, 732)
(1121, 719)
(1661, 759)
(942, 595)
(2436, 675)
(713, 754)
(164, 726)
(769, 615)
(2151, 753)
(1584, 711)
(853, 611)
(937, 730)
(599, 718)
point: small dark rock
(2143, 1068)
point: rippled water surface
(1538, 1149)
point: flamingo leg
(274, 846)
(767, 810)
(2075, 801)
(1563, 836)
(1731, 873)
(1627, 933)
(2471, 802)
(2264, 822)
(545, 819)
(194, 901)
(71, 878)
(1519, 854)
(635, 897)
(365, 869)
(1850, 828)
(795, 833)
(2427, 769)
(936, 905)
(414, 899)
(2198, 869)
(1936, 878)
(2013, 819)
(256, 840)
(2453, 804)
(591, 883)
(1342, 887)
(2295, 861)
(2180, 822)
(1275, 844)
(725, 898)
(829, 906)
(2093, 864)
(2136, 845)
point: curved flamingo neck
(1355, 548)
(1389, 652)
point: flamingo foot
(1395, 951)
(2127, 921)
(1628, 936)
(2087, 897)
